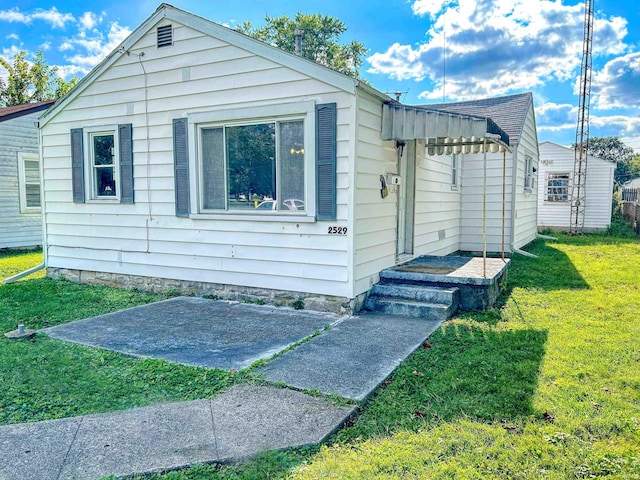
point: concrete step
(412, 308)
(447, 296)
(395, 276)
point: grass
(546, 385)
(43, 378)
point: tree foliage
(29, 82)
(614, 150)
(319, 41)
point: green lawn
(43, 378)
(546, 385)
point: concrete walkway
(351, 359)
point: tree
(319, 42)
(614, 150)
(31, 82)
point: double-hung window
(528, 172)
(253, 166)
(102, 164)
(29, 182)
(557, 187)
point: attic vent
(165, 36)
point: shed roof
(509, 112)
(7, 113)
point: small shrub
(297, 304)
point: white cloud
(45, 46)
(495, 47)
(93, 48)
(53, 17)
(14, 15)
(89, 20)
(428, 7)
(553, 117)
(617, 85)
(12, 36)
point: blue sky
(491, 48)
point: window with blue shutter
(102, 164)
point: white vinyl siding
(147, 238)
(557, 215)
(498, 180)
(437, 213)
(20, 224)
(375, 217)
(525, 215)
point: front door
(406, 201)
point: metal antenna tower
(579, 184)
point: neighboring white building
(20, 221)
(554, 192)
(196, 157)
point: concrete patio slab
(197, 331)
(353, 357)
(240, 423)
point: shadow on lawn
(552, 270)
(468, 372)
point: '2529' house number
(337, 230)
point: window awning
(441, 129)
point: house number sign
(337, 230)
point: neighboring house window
(29, 182)
(454, 170)
(528, 172)
(264, 160)
(102, 164)
(557, 187)
(255, 166)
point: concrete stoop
(436, 287)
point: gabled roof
(509, 112)
(169, 12)
(7, 113)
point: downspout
(546, 237)
(522, 252)
(514, 179)
(20, 275)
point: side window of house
(557, 187)
(29, 182)
(528, 172)
(258, 167)
(102, 164)
(103, 160)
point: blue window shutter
(125, 140)
(77, 165)
(181, 166)
(326, 161)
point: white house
(21, 221)
(554, 191)
(197, 158)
